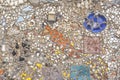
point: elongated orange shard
(58, 38)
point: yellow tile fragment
(103, 49)
(106, 69)
(34, 68)
(66, 75)
(94, 66)
(28, 78)
(72, 44)
(57, 52)
(39, 65)
(23, 78)
(23, 75)
(100, 59)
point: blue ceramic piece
(91, 16)
(102, 17)
(26, 9)
(85, 24)
(95, 30)
(95, 22)
(20, 19)
(80, 72)
(102, 26)
(88, 27)
(95, 19)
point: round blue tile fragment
(95, 22)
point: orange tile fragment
(1, 71)
(58, 38)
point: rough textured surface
(35, 47)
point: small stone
(3, 48)
(50, 45)
(17, 46)
(24, 44)
(21, 58)
(14, 53)
(29, 62)
(112, 16)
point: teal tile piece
(81, 72)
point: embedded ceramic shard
(95, 22)
(20, 19)
(80, 72)
(51, 16)
(26, 9)
(34, 2)
(92, 45)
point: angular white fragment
(118, 32)
(3, 48)
(21, 1)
